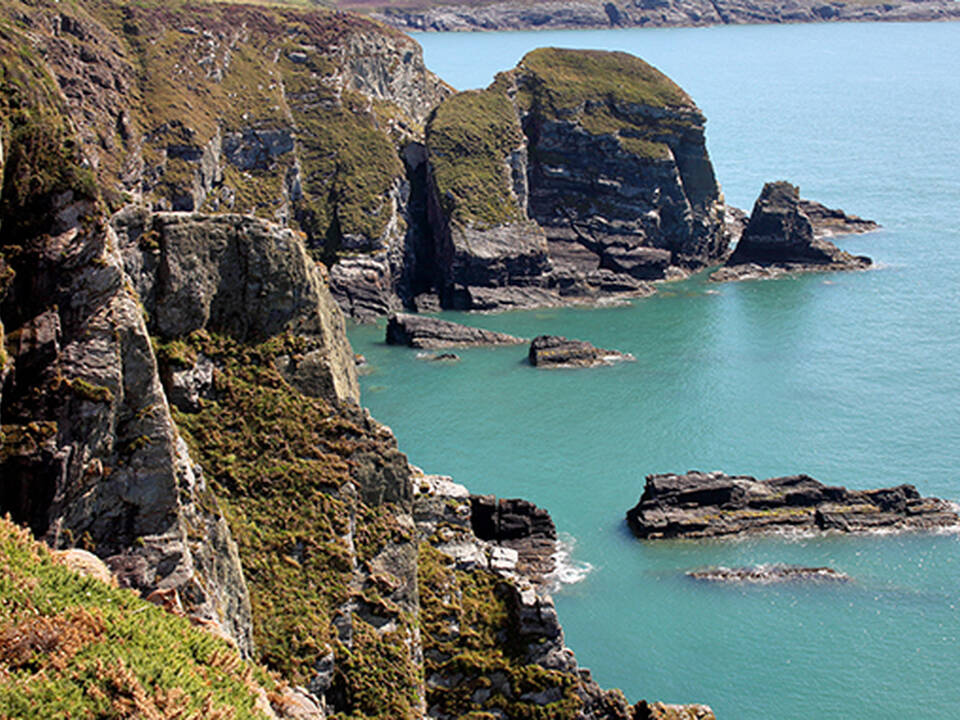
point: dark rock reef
(555, 352)
(779, 239)
(429, 333)
(556, 15)
(699, 505)
(772, 573)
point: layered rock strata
(584, 14)
(429, 333)
(553, 351)
(576, 176)
(698, 505)
(779, 239)
(830, 222)
(521, 526)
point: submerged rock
(556, 351)
(772, 573)
(420, 331)
(697, 505)
(780, 239)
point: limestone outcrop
(553, 351)
(698, 505)
(429, 333)
(779, 238)
(583, 14)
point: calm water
(852, 378)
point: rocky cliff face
(177, 395)
(579, 174)
(582, 14)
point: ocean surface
(851, 378)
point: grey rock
(766, 574)
(779, 239)
(555, 351)
(420, 331)
(696, 505)
(98, 453)
(583, 14)
(242, 276)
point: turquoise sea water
(852, 378)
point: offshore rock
(698, 505)
(779, 239)
(830, 222)
(556, 351)
(420, 331)
(773, 573)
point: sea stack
(780, 238)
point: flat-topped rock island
(702, 505)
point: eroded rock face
(555, 351)
(241, 276)
(576, 176)
(421, 331)
(779, 238)
(90, 450)
(697, 505)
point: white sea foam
(569, 570)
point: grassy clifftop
(470, 137)
(74, 647)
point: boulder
(421, 331)
(698, 504)
(556, 351)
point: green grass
(74, 647)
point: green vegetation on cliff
(74, 647)
(41, 157)
(606, 93)
(284, 467)
(470, 137)
(471, 633)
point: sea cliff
(179, 403)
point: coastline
(508, 15)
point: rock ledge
(699, 505)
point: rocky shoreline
(594, 14)
(429, 333)
(704, 505)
